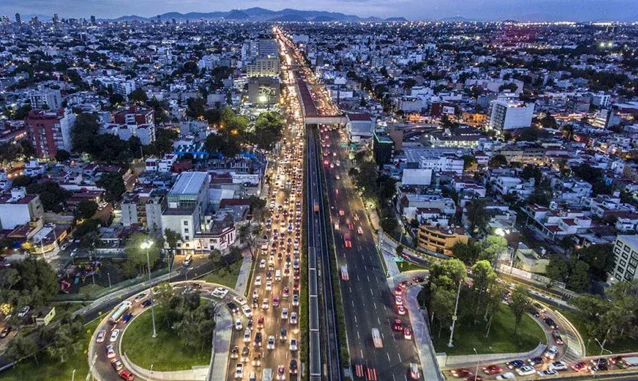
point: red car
(460, 373)
(260, 322)
(404, 284)
(126, 375)
(492, 369)
(398, 291)
(397, 326)
(580, 367)
(474, 378)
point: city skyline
(481, 10)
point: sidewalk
(221, 346)
(427, 354)
(244, 274)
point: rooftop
(189, 183)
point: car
(239, 370)
(147, 303)
(110, 351)
(461, 373)
(126, 375)
(398, 300)
(599, 361)
(492, 369)
(247, 311)
(558, 365)
(403, 284)
(101, 334)
(256, 359)
(580, 367)
(551, 323)
(506, 376)
(117, 365)
(238, 325)
(24, 311)
(114, 335)
(247, 335)
(140, 297)
(262, 264)
(398, 291)
(234, 352)
(281, 373)
(407, 333)
(539, 307)
(397, 326)
(515, 364)
(269, 285)
(265, 304)
(232, 307)
(599, 367)
(535, 361)
(293, 366)
(293, 345)
(548, 372)
(551, 352)
(275, 301)
(293, 318)
(534, 312)
(220, 292)
(245, 353)
(526, 370)
(284, 314)
(401, 310)
(127, 317)
(258, 280)
(341, 212)
(5, 332)
(271, 342)
(283, 334)
(616, 360)
(258, 339)
(557, 338)
(295, 300)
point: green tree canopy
(113, 185)
(137, 255)
(86, 209)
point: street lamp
(478, 361)
(145, 246)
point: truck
(316, 206)
(376, 338)
(119, 312)
(266, 375)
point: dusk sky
(578, 10)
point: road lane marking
(399, 354)
(358, 337)
(375, 305)
(378, 321)
(388, 356)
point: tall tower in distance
(93, 20)
(18, 19)
(56, 18)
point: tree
(138, 96)
(9, 278)
(172, 238)
(484, 277)
(453, 269)
(27, 148)
(557, 269)
(442, 307)
(116, 99)
(62, 155)
(84, 132)
(21, 347)
(579, 276)
(113, 185)
(37, 273)
(519, 304)
(215, 256)
(21, 181)
(66, 340)
(466, 252)
(468, 161)
(477, 215)
(399, 250)
(86, 209)
(498, 161)
(268, 130)
(53, 197)
(492, 246)
(600, 259)
(137, 255)
(22, 112)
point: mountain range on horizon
(257, 14)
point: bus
(267, 375)
(119, 312)
(376, 338)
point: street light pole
(478, 362)
(450, 344)
(147, 245)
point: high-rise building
(18, 19)
(187, 202)
(267, 48)
(46, 99)
(625, 258)
(509, 115)
(263, 67)
(92, 19)
(56, 18)
(50, 131)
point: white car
(269, 285)
(506, 376)
(114, 335)
(548, 372)
(293, 318)
(558, 365)
(293, 345)
(255, 294)
(100, 336)
(265, 304)
(238, 325)
(551, 352)
(526, 370)
(271, 342)
(284, 313)
(239, 371)
(247, 335)
(110, 352)
(24, 311)
(247, 311)
(220, 292)
(262, 264)
(258, 280)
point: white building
(49, 98)
(509, 115)
(416, 177)
(443, 163)
(625, 257)
(19, 208)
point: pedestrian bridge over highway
(325, 119)
(310, 112)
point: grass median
(226, 276)
(500, 340)
(51, 369)
(625, 345)
(166, 352)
